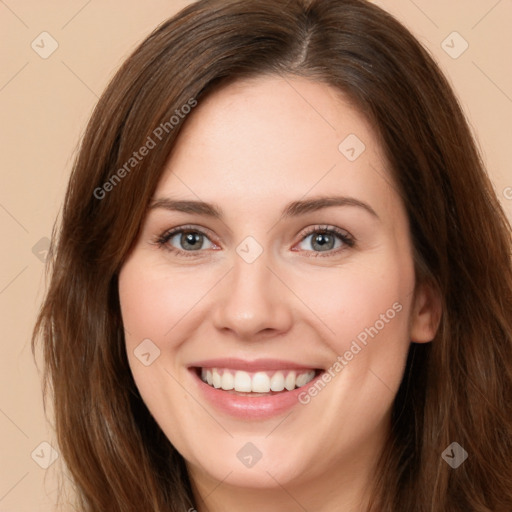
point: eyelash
(348, 240)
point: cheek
(154, 306)
(153, 301)
(361, 302)
(365, 308)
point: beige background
(45, 104)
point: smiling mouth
(262, 383)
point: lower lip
(251, 407)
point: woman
(282, 280)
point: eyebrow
(293, 209)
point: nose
(253, 302)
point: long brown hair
(456, 388)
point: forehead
(275, 138)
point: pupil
(191, 239)
(323, 239)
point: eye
(185, 240)
(328, 239)
(191, 241)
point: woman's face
(298, 291)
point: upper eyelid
(199, 229)
(305, 232)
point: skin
(251, 148)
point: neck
(347, 495)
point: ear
(425, 313)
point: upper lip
(251, 366)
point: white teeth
(289, 382)
(242, 382)
(216, 379)
(277, 382)
(259, 382)
(228, 381)
(302, 379)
